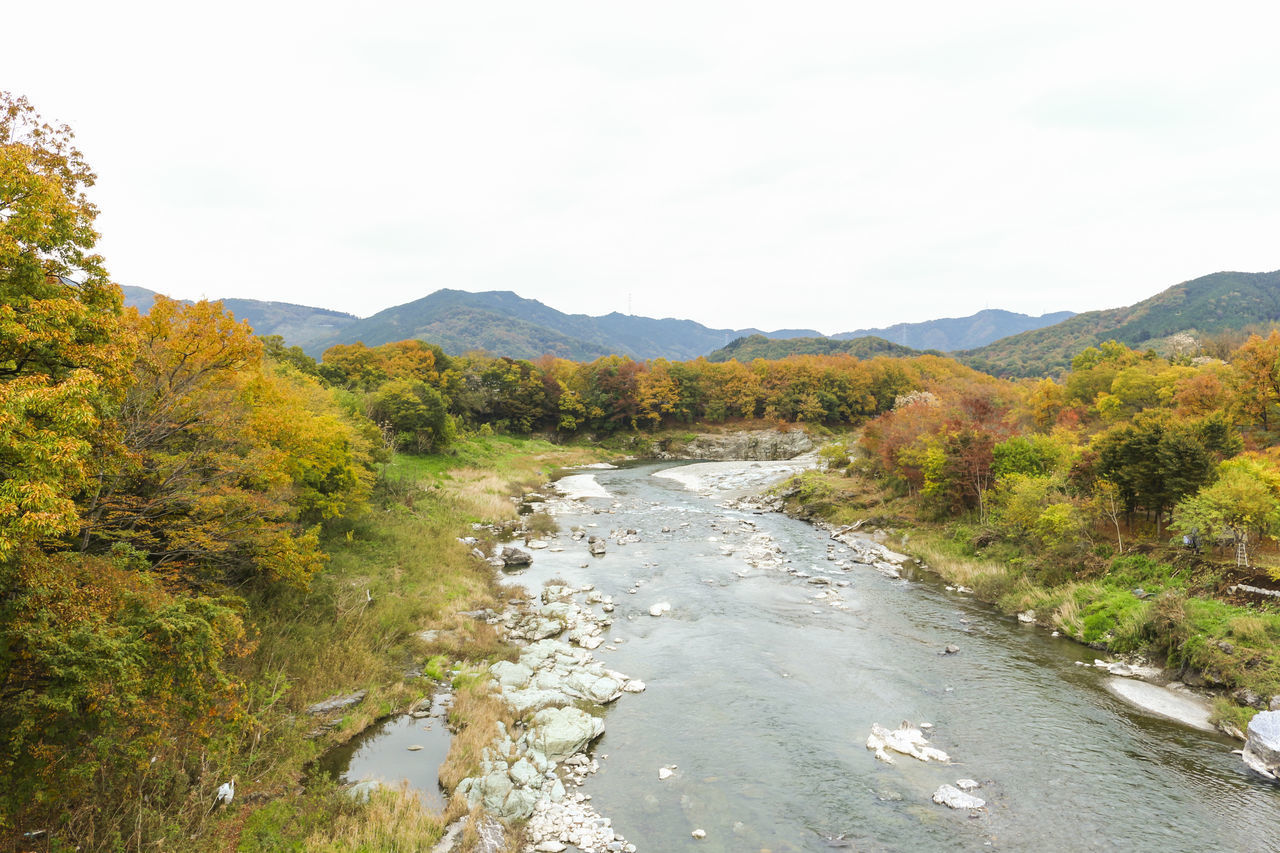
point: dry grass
(1068, 617)
(1249, 629)
(988, 579)
(393, 820)
(476, 712)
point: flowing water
(763, 696)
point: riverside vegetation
(203, 533)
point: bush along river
(794, 692)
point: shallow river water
(763, 696)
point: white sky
(830, 165)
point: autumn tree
(226, 468)
(1258, 367)
(62, 357)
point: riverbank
(1149, 602)
(379, 624)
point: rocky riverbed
(823, 635)
(559, 690)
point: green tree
(414, 413)
(1155, 461)
(1241, 502)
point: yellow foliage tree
(62, 359)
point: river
(762, 695)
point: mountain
(1213, 303)
(299, 325)
(138, 297)
(504, 323)
(959, 333)
(758, 346)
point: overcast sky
(829, 165)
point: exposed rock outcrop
(756, 445)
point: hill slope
(959, 333)
(1206, 305)
(758, 346)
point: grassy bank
(1163, 603)
(395, 573)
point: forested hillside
(758, 346)
(1207, 305)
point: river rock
(659, 608)
(1245, 696)
(515, 558)
(905, 740)
(361, 791)
(953, 797)
(511, 676)
(1262, 744)
(337, 703)
(596, 546)
(560, 732)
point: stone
(905, 740)
(550, 846)
(361, 790)
(560, 732)
(512, 676)
(1262, 744)
(337, 703)
(953, 797)
(1027, 616)
(966, 784)
(660, 608)
(523, 773)
(699, 833)
(951, 650)
(1245, 696)
(635, 685)
(514, 557)
(664, 773)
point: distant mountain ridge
(959, 333)
(299, 325)
(504, 323)
(995, 341)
